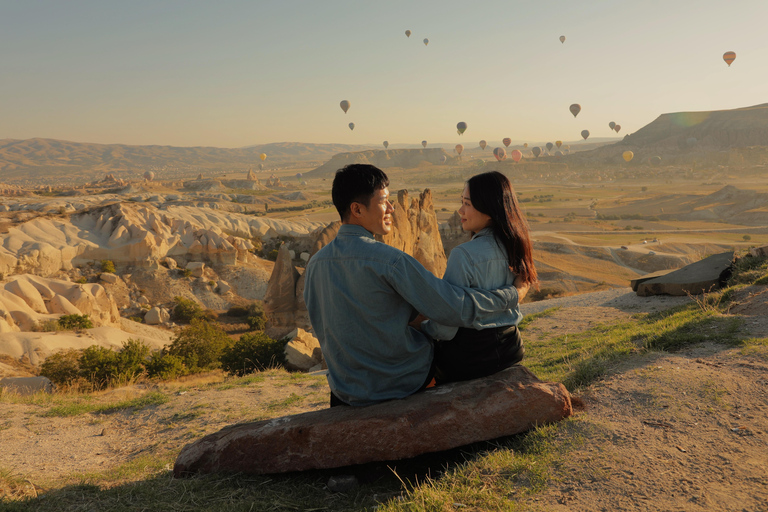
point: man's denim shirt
(360, 295)
(479, 263)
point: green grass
(528, 319)
(77, 407)
(578, 360)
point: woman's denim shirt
(479, 263)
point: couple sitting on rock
(388, 327)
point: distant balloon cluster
(517, 155)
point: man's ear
(356, 210)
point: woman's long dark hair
(491, 193)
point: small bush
(186, 310)
(63, 368)
(82, 280)
(164, 366)
(185, 272)
(253, 351)
(272, 255)
(200, 345)
(107, 266)
(131, 360)
(747, 238)
(237, 311)
(99, 365)
(256, 318)
(73, 322)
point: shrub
(272, 255)
(98, 365)
(253, 351)
(165, 366)
(747, 238)
(82, 280)
(131, 360)
(72, 322)
(107, 266)
(256, 318)
(63, 368)
(186, 310)
(200, 345)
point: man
(361, 294)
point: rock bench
(506, 403)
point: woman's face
(471, 219)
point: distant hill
(49, 160)
(404, 158)
(717, 137)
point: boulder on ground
(27, 385)
(759, 251)
(700, 277)
(108, 277)
(506, 403)
(303, 351)
(196, 267)
(157, 316)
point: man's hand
(522, 288)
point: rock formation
(449, 416)
(700, 277)
(280, 299)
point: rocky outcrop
(503, 404)
(280, 299)
(700, 277)
(26, 301)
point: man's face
(376, 217)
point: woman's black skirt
(472, 354)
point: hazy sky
(235, 73)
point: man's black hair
(356, 183)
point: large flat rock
(702, 276)
(509, 402)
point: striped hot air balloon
(729, 57)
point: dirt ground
(669, 431)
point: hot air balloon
(525, 145)
(299, 176)
(585, 134)
(483, 144)
(500, 154)
(443, 159)
(344, 105)
(407, 33)
(461, 127)
(426, 41)
(611, 125)
(558, 143)
(386, 144)
(562, 39)
(628, 155)
(149, 175)
(351, 126)
(516, 155)
(550, 146)
(617, 128)
(729, 57)
(263, 156)
(536, 151)
(575, 109)
(423, 143)
(655, 160)
(506, 141)
(459, 148)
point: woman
(499, 253)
